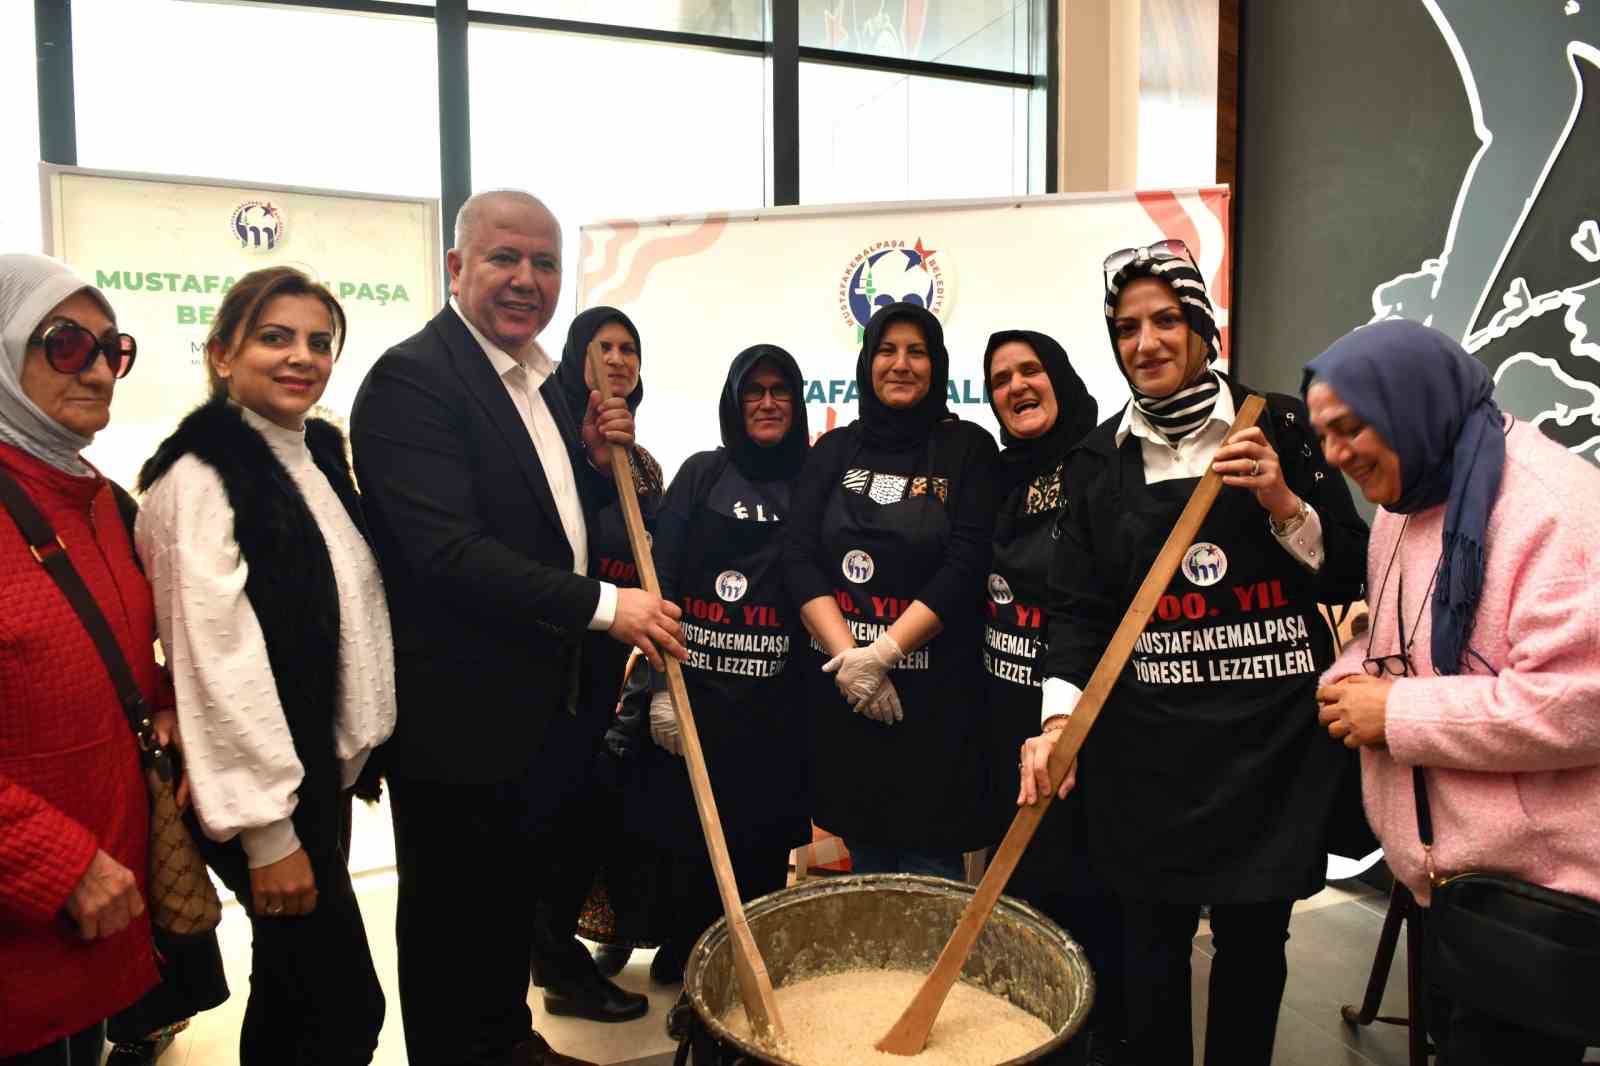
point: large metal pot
(888, 921)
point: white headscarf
(30, 285)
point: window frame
(451, 18)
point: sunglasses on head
(71, 349)
(1167, 249)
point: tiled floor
(213, 1038)
(1333, 936)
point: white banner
(165, 249)
(701, 288)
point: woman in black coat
(887, 552)
(718, 553)
(1206, 779)
(1044, 409)
(576, 813)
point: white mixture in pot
(835, 1020)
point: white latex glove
(862, 670)
(664, 723)
(884, 705)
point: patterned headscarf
(1190, 406)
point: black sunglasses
(71, 349)
(754, 393)
(1171, 248)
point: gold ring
(1255, 468)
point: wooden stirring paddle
(910, 1033)
(755, 987)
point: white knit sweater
(240, 758)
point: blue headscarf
(1434, 405)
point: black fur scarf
(290, 585)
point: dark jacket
(487, 614)
(1207, 778)
(1089, 597)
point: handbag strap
(1419, 787)
(51, 553)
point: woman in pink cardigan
(1485, 555)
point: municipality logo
(858, 566)
(731, 586)
(999, 590)
(257, 225)
(892, 271)
(1205, 564)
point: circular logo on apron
(857, 566)
(732, 585)
(999, 591)
(1205, 564)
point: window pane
(19, 135)
(993, 34)
(259, 94)
(624, 130)
(873, 135)
(744, 19)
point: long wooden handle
(910, 1033)
(755, 986)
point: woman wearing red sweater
(74, 938)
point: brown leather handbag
(179, 892)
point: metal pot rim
(915, 884)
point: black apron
(1013, 643)
(1208, 779)
(739, 628)
(919, 783)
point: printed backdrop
(701, 288)
(164, 250)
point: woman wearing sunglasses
(276, 630)
(74, 935)
(1207, 779)
(1479, 680)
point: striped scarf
(1178, 415)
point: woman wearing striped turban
(1207, 780)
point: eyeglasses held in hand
(1167, 249)
(71, 349)
(754, 393)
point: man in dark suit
(477, 503)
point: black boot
(667, 967)
(609, 959)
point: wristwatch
(1292, 524)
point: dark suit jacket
(488, 616)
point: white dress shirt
(1190, 457)
(243, 771)
(522, 380)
